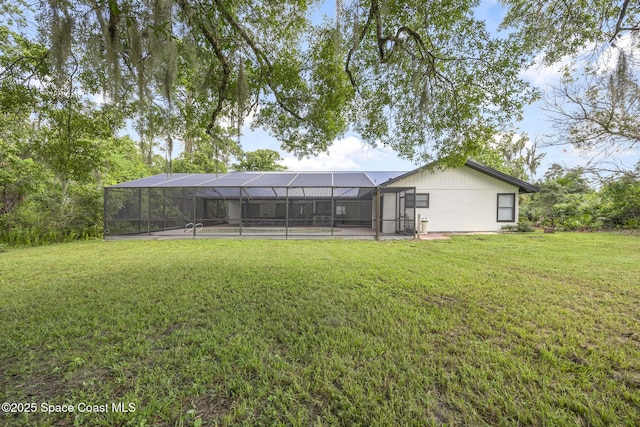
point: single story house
(470, 198)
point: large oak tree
(426, 78)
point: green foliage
(124, 162)
(48, 217)
(521, 227)
(597, 105)
(597, 108)
(260, 160)
(567, 201)
(621, 201)
(560, 195)
(556, 29)
(403, 74)
(512, 154)
(36, 236)
(57, 149)
(427, 79)
(206, 155)
(41, 204)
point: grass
(527, 329)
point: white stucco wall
(460, 199)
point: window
(416, 201)
(506, 207)
(341, 210)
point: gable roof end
(523, 187)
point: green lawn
(524, 329)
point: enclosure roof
(293, 179)
(265, 179)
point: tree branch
(260, 55)
(226, 67)
(356, 45)
(619, 28)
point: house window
(341, 210)
(416, 200)
(506, 207)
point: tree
(260, 160)
(20, 62)
(207, 158)
(57, 148)
(598, 113)
(512, 154)
(595, 108)
(621, 200)
(561, 193)
(428, 80)
(73, 140)
(553, 29)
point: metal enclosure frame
(282, 204)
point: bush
(36, 236)
(521, 227)
(44, 235)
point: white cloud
(349, 153)
(603, 56)
(98, 99)
(543, 76)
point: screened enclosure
(284, 204)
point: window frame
(512, 208)
(411, 198)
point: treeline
(569, 201)
(40, 204)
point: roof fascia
(523, 187)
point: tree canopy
(260, 160)
(427, 79)
(595, 107)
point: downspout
(377, 213)
(415, 224)
(149, 211)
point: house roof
(293, 179)
(523, 187)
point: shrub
(521, 227)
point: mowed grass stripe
(477, 330)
